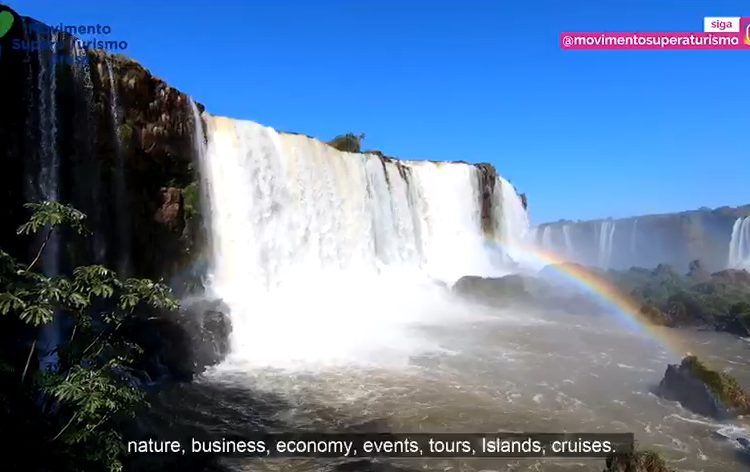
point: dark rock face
(487, 181)
(679, 385)
(101, 133)
(702, 390)
(496, 290)
(170, 213)
(182, 346)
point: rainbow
(625, 307)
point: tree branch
(66, 426)
(41, 249)
(28, 360)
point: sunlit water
(480, 371)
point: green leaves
(155, 294)
(52, 214)
(37, 314)
(91, 386)
(10, 302)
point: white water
(123, 219)
(567, 240)
(513, 224)
(739, 244)
(634, 238)
(547, 238)
(48, 183)
(606, 238)
(326, 256)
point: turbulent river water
(477, 370)
(336, 268)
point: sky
(585, 134)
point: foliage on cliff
(349, 142)
(639, 461)
(720, 300)
(71, 401)
(723, 385)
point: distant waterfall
(547, 238)
(606, 238)
(633, 237)
(568, 242)
(123, 219)
(314, 245)
(739, 244)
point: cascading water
(568, 241)
(123, 219)
(547, 238)
(606, 238)
(513, 224)
(739, 244)
(48, 182)
(324, 255)
(633, 238)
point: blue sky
(585, 134)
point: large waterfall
(739, 245)
(320, 252)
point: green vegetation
(724, 386)
(721, 300)
(75, 410)
(639, 461)
(348, 142)
(191, 200)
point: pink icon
(745, 30)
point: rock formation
(703, 390)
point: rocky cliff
(101, 133)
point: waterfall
(123, 220)
(324, 253)
(547, 238)
(513, 225)
(48, 182)
(739, 244)
(633, 236)
(568, 241)
(606, 238)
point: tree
(79, 406)
(349, 142)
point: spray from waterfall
(739, 244)
(328, 256)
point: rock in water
(704, 391)
(488, 289)
(184, 345)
